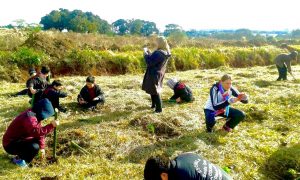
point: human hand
(55, 123)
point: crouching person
(25, 136)
(187, 166)
(53, 93)
(90, 95)
(182, 93)
(218, 104)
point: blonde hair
(225, 77)
(163, 44)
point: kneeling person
(182, 93)
(53, 93)
(187, 166)
(91, 94)
(25, 136)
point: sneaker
(226, 128)
(19, 162)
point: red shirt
(92, 93)
(26, 127)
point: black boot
(153, 101)
(158, 104)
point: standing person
(187, 166)
(283, 64)
(32, 74)
(182, 93)
(25, 136)
(156, 68)
(218, 104)
(91, 95)
(38, 84)
(53, 93)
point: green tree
(121, 26)
(171, 28)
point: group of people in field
(25, 136)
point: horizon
(219, 15)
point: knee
(242, 115)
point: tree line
(87, 22)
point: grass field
(126, 132)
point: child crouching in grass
(218, 104)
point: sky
(189, 14)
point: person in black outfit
(53, 93)
(187, 166)
(90, 95)
(156, 68)
(32, 74)
(38, 84)
(182, 93)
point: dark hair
(155, 166)
(45, 70)
(90, 79)
(56, 83)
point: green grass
(126, 132)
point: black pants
(92, 103)
(26, 150)
(22, 93)
(282, 71)
(156, 103)
(235, 116)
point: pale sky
(190, 14)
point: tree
(170, 28)
(149, 28)
(121, 26)
(76, 21)
(136, 26)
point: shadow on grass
(283, 164)
(185, 143)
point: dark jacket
(190, 166)
(53, 95)
(182, 91)
(156, 69)
(39, 84)
(84, 93)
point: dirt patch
(65, 147)
(156, 127)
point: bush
(26, 57)
(284, 163)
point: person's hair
(45, 70)
(155, 166)
(163, 44)
(225, 77)
(56, 83)
(90, 79)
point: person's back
(190, 166)
(282, 59)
